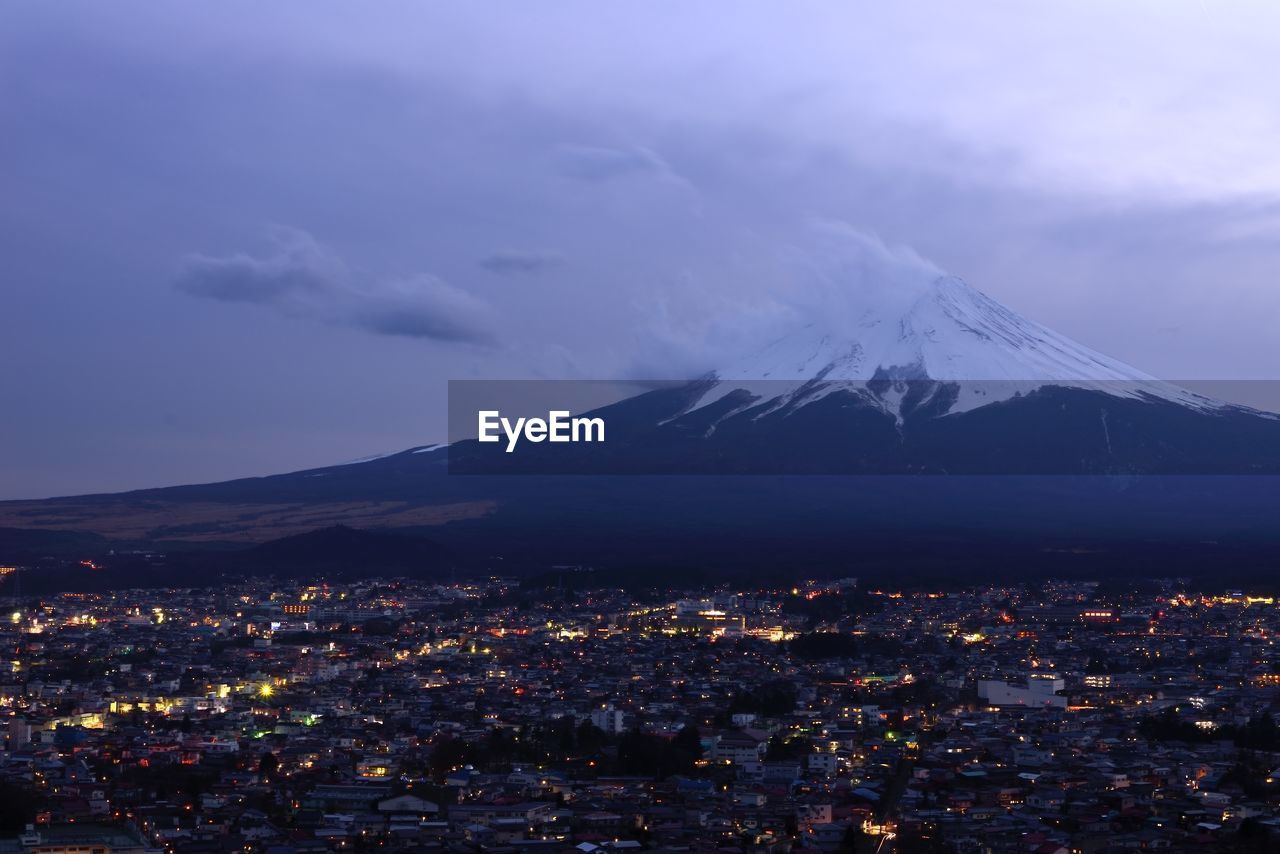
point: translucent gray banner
(887, 425)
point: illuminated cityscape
(500, 716)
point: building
(1040, 690)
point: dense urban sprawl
(493, 716)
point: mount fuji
(948, 333)
(1057, 445)
(933, 379)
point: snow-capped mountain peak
(947, 333)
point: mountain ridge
(1095, 449)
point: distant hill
(27, 545)
(342, 552)
(73, 562)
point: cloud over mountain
(827, 272)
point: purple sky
(240, 240)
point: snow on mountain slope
(945, 331)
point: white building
(826, 764)
(609, 719)
(1041, 690)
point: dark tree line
(1259, 733)
(633, 753)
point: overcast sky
(243, 238)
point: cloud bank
(302, 278)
